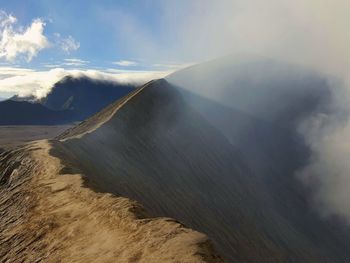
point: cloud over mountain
(24, 81)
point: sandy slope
(48, 217)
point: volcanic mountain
(47, 214)
(215, 146)
(84, 96)
(225, 171)
(70, 100)
(223, 167)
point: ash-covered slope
(155, 147)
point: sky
(42, 41)
(88, 30)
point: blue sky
(95, 25)
(41, 41)
(106, 38)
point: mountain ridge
(70, 100)
(218, 176)
(160, 143)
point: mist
(311, 37)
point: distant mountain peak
(81, 97)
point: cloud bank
(25, 82)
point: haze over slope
(228, 172)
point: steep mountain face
(27, 113)
(84, 96)
(154, 149)
(224, 171)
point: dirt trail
(48, 217)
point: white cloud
(174, 66)
(15, 42)
(52, 65)
(23, 81)
(125, 63)
(67, 44)
(75, 62)
(6, 19)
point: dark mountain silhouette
(84, 96)
(27, 113)
(70, 100)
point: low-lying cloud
(25, 82)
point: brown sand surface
(47, 216)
